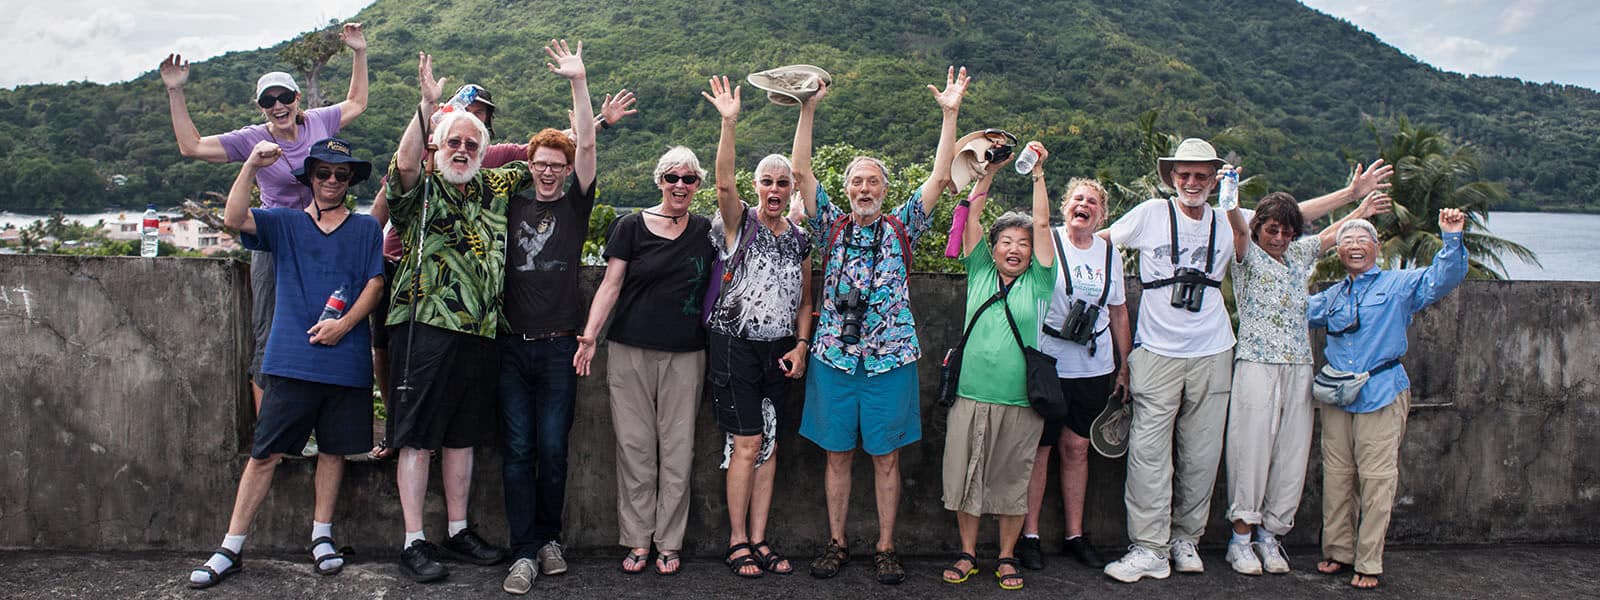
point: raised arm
(1044, 249)
(805, 179)
(1241, 228)
(1363, 181)
(175, 73)
(355, 101)
(1449, 266)
(1376, 203)
(949, 100)
(726, 99)
(380, 205)
(413, 144)
(605, 297)
(236, 213)
(569, 64)
(976, 199)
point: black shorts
(380, 313)
(1086, 397)
(451, 401)
(292, 408)
(741, 374)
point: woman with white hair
(657, 266)
(993, 431)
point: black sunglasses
(686, 179)
(339, 176)
(287, 98)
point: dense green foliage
(1292, 86)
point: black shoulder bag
(1044, 389)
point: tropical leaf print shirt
(888, 333)
(463, 249)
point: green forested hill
(1298, 88)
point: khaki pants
(1269, 441)
(1360, 467)
(654, 395)
(1182, 404)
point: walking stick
(416, 276)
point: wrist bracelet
(801, 339)
(603, 124)
(976, 196)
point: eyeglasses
(337, 175)
(287, 98)
(540, 167)
(458, 143)
(686, 179)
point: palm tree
(1432, 172)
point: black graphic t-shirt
(659, 305)
(544, 247)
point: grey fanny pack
(1341, 388)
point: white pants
(1182, 404)
(1269, 442)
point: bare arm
(949, 101)
(569, 64)
(1375, 203)
(1241, 233)
(1044, 249)
(355, 101)
(380, 205)
(174, 73)
(329, 332)
(1363, 181)
(726, 100)
(1121, 340)
(408, 157)
(605, 298)
(800, 155)
(236, 213)
(976, 199)
(802, 326)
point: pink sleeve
(499, 154)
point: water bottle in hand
(150, 233)
(1228, 191)
(334, 308)
(1026, 160)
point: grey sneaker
(550, 559)
(1273, 558)
(521, 577)
(1186, 558)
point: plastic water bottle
(463, 98)
(150, 233)
(334, 308)
(1228, 191)
(1026, 160)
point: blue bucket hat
(334, 151)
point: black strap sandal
(827, 564)
(1014, 576)
(215, 577)
(770, 559)
(1377, 581)
(317, 560)
(955, 574)
(665, 558)
(738, 564)
(636, 559)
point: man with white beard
(443, 318)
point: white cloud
(1463, 54)
(1518, 16)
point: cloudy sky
(68, 40)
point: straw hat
(1191, 150)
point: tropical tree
(309, 53)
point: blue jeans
(538, 388)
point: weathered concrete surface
(126, 413)
(1444, 573)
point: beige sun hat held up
(790, 85)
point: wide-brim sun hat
(276, 79)
(334, 151)
(792, 84)
(1190, 150)
(1109, 433)
(972, 156)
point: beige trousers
(1269, 442)
(654, 395)
(1360, 468)
(1178, 404)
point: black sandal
(769, 559)
(961, 575)
(737, 564)
(1014, 575)
(216, 578)
(664, 558)
(1340, 568)
(316, 561)
(1377, 582)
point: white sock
(218, 562)
(1031, 536)
(457, 526)
(1262, 535)
(412, 536)
(323, 549)
(1240, 538)
(1072, 537)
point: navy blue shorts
(292, 408)
(741, 374)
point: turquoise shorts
(882, 411)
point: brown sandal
(635, 561)
(827, 564)
(890, 571)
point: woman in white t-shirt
(1091, 362)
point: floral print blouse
(1271, 298)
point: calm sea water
(1567, 244)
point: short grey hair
(775, 162)
(857, 161)
(1362, 224)
(679, 156)
(441, 132)
(1010, 220)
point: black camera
(1081, 319)
(853, 308)
(1189, 291)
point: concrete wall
(126, 416)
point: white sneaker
(1273, 558)
(521, 577)
(1186, 558)
(1138, 563)
(1242, 557)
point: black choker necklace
(674, 218)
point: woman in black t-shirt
(657, 264)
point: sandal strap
(228, 554)
(1010, 560)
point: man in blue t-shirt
(317, 367)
